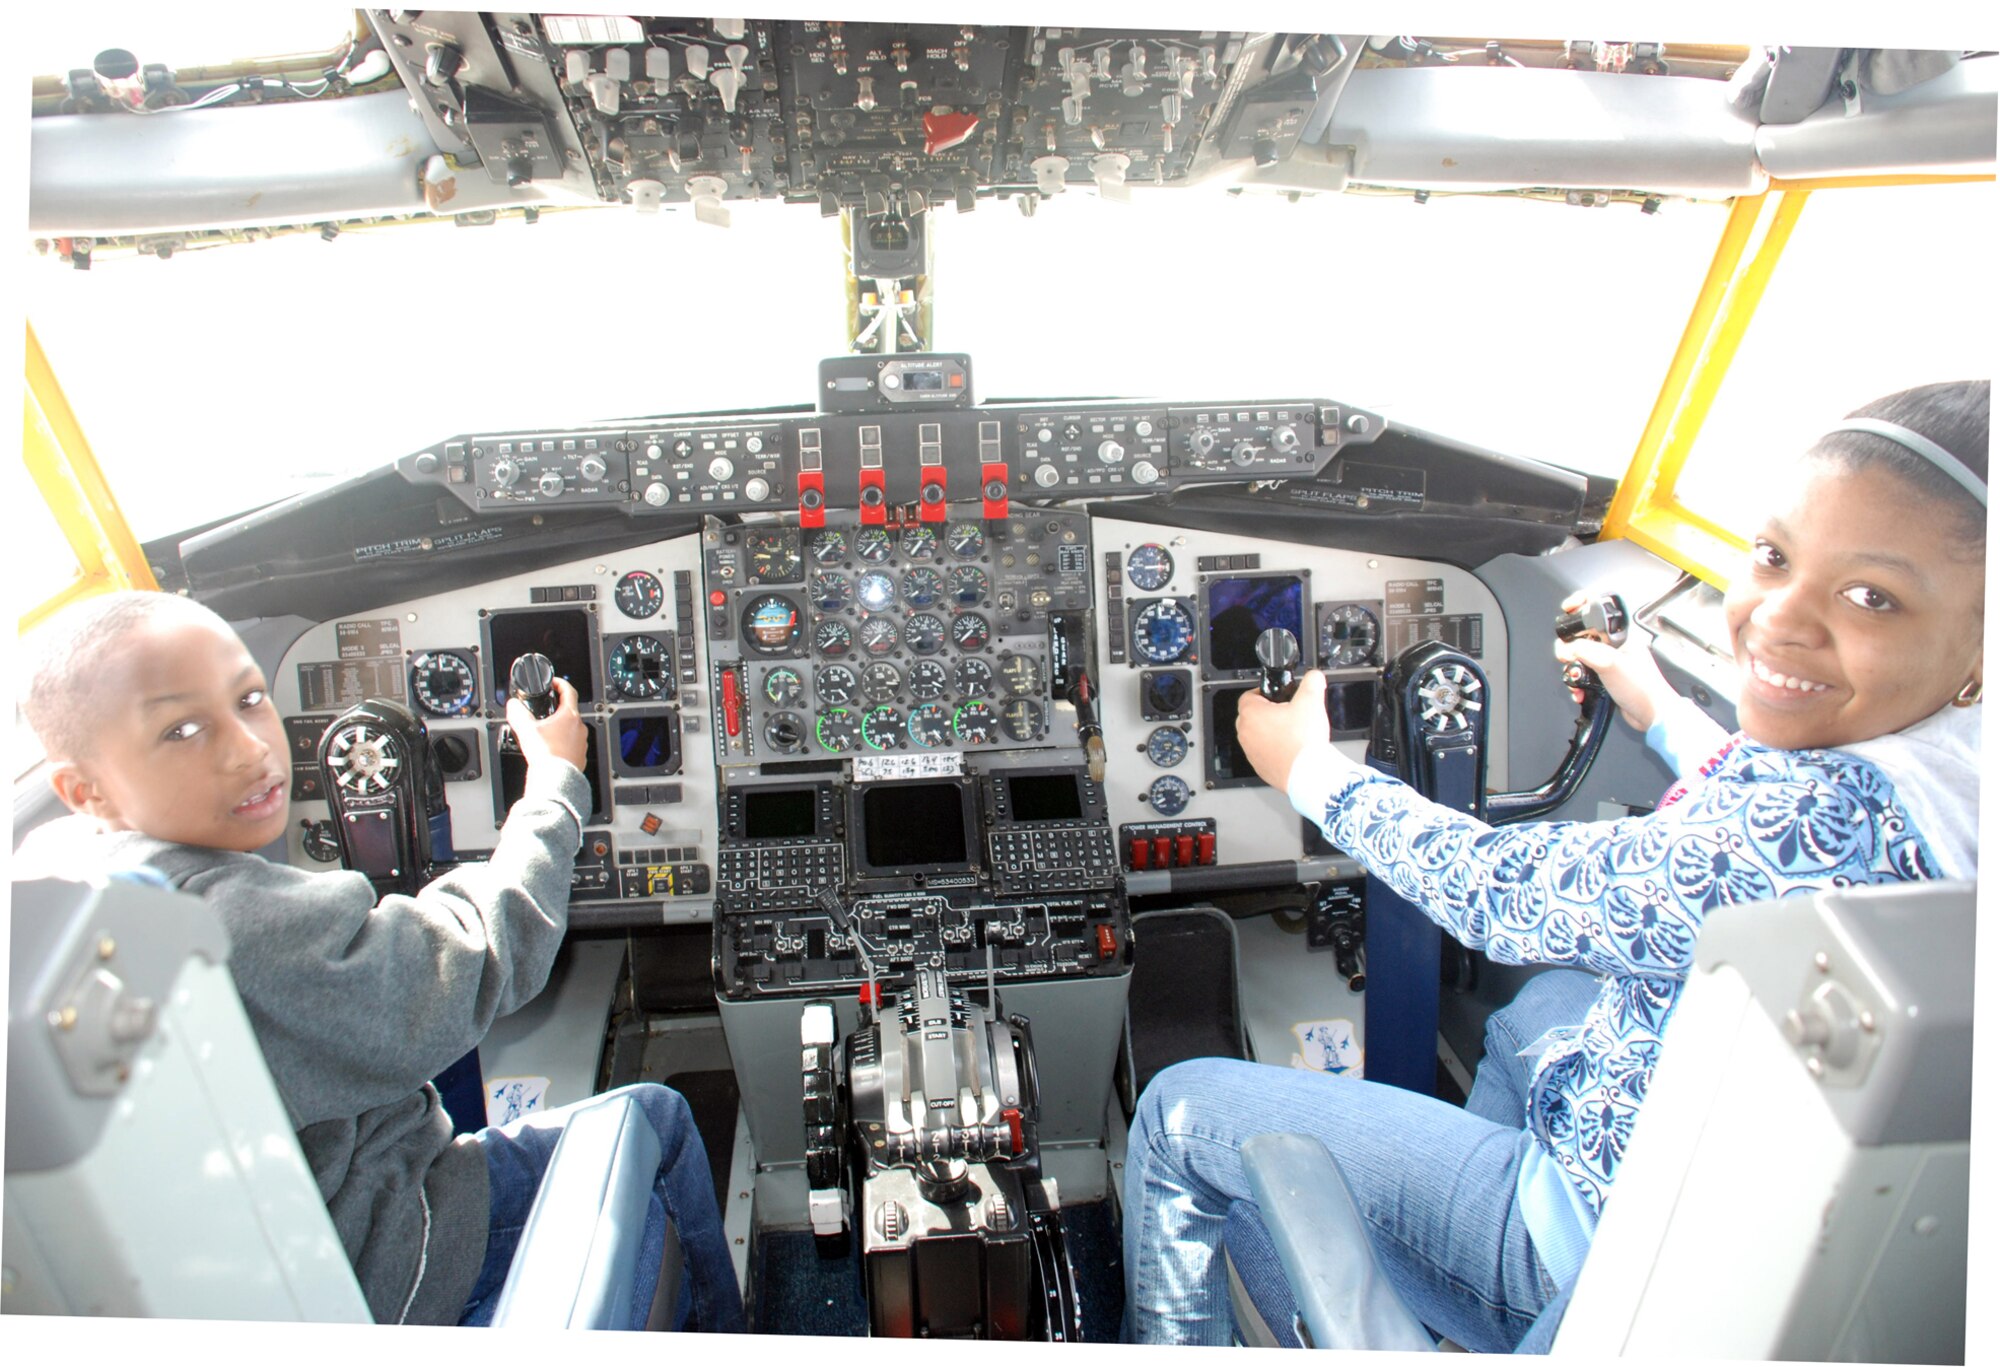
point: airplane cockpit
(920, 835)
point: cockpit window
(220, 380)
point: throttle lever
(1278, 653)
(1601, 618)
(532, 679)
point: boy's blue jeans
(1434, 1184)
(518, 1154)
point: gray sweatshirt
(356, 1003)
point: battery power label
(1465, 631)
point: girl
(1857, 628)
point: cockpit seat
(151, 1170)
(1797, 1186)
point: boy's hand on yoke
(1273, 735)
(560, 735)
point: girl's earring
(1969, 694)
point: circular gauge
(975, 722)
(1167, 746)
(1162, 632)
(969, 631)
(972, 677)
(875, 591)
(919, 543)
(967, 585)
(964, 539)
(638, 595)
(641, 667)
(830, 591)
(834, 685)
(1022, 674)
(927, 680)
(1021, 719)
(785, 732)
(930, 724)
(1347, 636)
(774, 555)
(1169, 795)
(444, 683)
(880, 680)
(882, 728)
(784, 688)
(922, 587)
(879, 636)
(771, 624)
(838, 730)
(829, 545)
(833, 638)
(1149, 567)
(925, 633)
(872, 544)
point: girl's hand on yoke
(1628, 672)
(560, 735)
(1273, 735)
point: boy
(164, 742)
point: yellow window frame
(1647, 508)
(66, 474)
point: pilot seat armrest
(580, 1248)
(1343, 1297)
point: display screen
(562, 634)
(777, 813)
(513, 770)
(649, 742)
(908, 826)
(922, 379)
(1350, 704)
(1226, 761)
(1044, 797)
(1241, 609)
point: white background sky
(218, 380)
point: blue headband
(1935, 455)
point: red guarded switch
(874, 498)
(942, 132)
(1141, 854)
(812, 498)
(1184, 851)
(732, 704)
(993, 491)
(930, 501)
(1163, 851)
(1107, 943)
(1204, 848)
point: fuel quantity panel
(625, 630)
(1179, 615)
(902, 645)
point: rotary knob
(505, 472)
(721, 468)
(551, 483)
(757, 489)
(1143, 427)
(1110, 452)
(1047, 476)
(658, 495)
(753, 443)
(1144, 472)
(1285, 440)
(654, 450)
(1044, 434)
(1244, 452)
(591, 468)
(1201, 441)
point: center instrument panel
(848, 719)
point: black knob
(452, 753)
(1278, 652)
(1601, 618)
(533, 680)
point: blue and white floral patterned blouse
(1626, 899)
